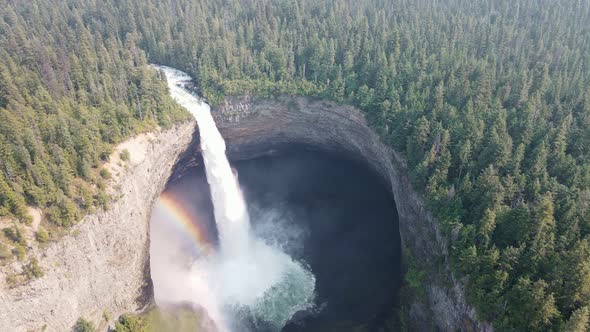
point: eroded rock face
(103, 265)
(253, 127)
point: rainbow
(184, 222)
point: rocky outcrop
(254, 127)
(103, 264)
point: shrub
(102, 199)
(100, 184)
(15, 234)
(105, 174)
(414, 275)
(83, 325)
(32, 270)
(106, 315)
(42, 235)
(19, 251)
(12, 280)
(64, 212)
(124, 155)
(414, 278)
(156, 320)
(129, 323)
(85, 199)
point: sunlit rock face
(102, 265)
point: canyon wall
(254, 127)
(103, 264)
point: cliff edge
(102, 266)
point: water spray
(245, 279)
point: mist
(243, 279)
(323, 210)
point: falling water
(246, 279)
(228, 202)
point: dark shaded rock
(254, 127)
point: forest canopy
(489, 101)
(69, 89)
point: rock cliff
(103, 264)
(259, 126)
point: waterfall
(231, 215)
(245, 279)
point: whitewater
(245, 282)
